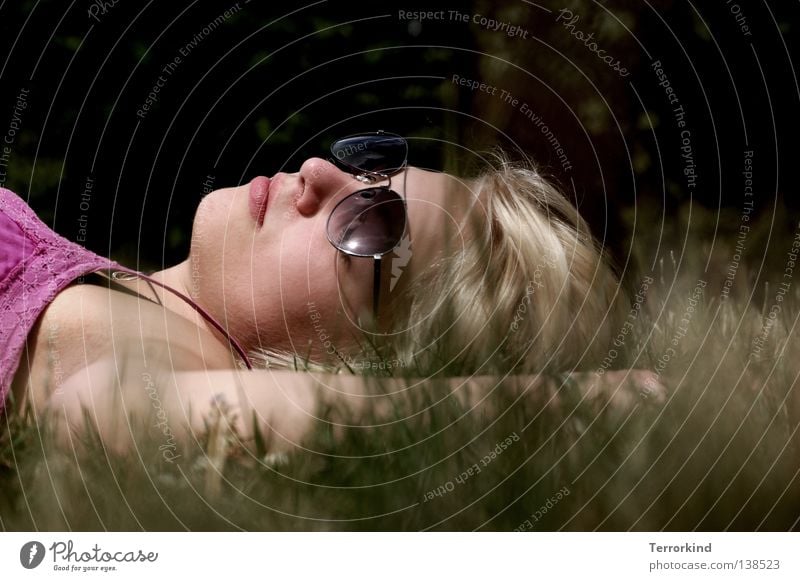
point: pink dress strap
(203, 313)
(35, 265)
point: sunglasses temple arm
(376, 284)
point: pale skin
(257, 280)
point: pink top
(35, 265)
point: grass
(722, 452)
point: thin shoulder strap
(203, 313)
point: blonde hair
(530, 291)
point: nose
(322, 181)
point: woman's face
(264, 266)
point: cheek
(205, 256)
(307, 263)
(312, 270)
(223, 258)
(214, 221)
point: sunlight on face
(275, 278)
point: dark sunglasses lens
(372, 153)
(368, 222)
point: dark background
(272, 84)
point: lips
(259, 198)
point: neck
(178, 277)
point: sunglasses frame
(370, 177)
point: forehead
(437, 195)
(442, 210)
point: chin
(221, 200)
(214, 215)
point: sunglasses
(370, 222)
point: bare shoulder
(78, 302)
(81, 317)
(101, 319)
(86, 323)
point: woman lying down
(299, 286)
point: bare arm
(282, 405)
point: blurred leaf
(413, 92)
(263, 128)
(328, 29)
(176, 237)
(71, 42)
(42, 182)
(373, 56)
(368, 99)
(647, 121)
(641, 161)
(594, 115)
